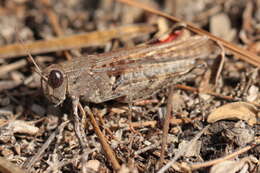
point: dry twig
(107, 149)
(239, 52)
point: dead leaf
(229, 166)
(220, 26)
(235, 111)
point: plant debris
(209, 128)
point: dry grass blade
(239, 52)
(95, 38)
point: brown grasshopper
(128, 74)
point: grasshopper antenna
(38, 70)
(30, 58)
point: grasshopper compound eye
(54, 83)
(55, 78)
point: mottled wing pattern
(141, 72)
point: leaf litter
(43, 138)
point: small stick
(192, 89)
(143, 124)
(11, 67)
(103, 124)
(145, 149)
(166, 126)
(79, 128)
(109, 152)
(230, 156)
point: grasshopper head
(54, 84)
